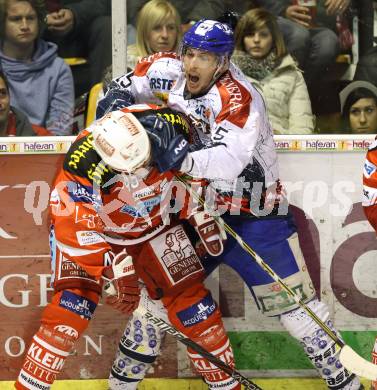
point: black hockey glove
(168, 148)
(114, 100)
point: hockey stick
(166, 327)
(163, 325)
(347, 356)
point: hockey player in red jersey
(233, 148)
(111, 207)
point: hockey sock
(318, 346)
(216, 341)
(138, 349)
(62, 323)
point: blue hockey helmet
(211, 36)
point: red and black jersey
(93, 206)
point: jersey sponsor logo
(88, 237)
(69, 270)
(80, 193)
(143, 208)
(80, 151)
(281, 300)
(199, 312)
(96, 172)
(160, 83)
(235, 101)
(369, 169)
(176, 119)
(77, 304)
(68, 330)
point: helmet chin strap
(222, 66)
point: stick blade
(357, 364)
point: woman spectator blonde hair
(158, 29)
(261, 54)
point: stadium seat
(92, 103)
(74, 61)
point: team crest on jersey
(200, 116)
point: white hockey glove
(121, 283)
(211, 234)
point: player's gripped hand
(122, 284)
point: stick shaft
(163, 325)
(263, 264)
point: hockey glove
(114, 100)
(168, 148)
(122, 284)
(211, 234)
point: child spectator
(12, 121)
(261, 55)
(358, 103)
(40, 83)
(158, 30)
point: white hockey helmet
(121, 141)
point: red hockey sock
(61, 326)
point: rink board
(187, 384)
(323, 180)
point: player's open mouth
(193, 79)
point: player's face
(21, 24)
(363, 116)
(4, 103)
(200, 67)
(163, 37)
(259, 44)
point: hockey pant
(276, 242)
(192, 312)
(63, 322)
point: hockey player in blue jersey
(233, 149)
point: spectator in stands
(366, 68)
(40, 83)
(358, 103)
(261, 55)
(158, 30)
(313, 42)
(189, 11)
(12, 121)
(82, 28)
